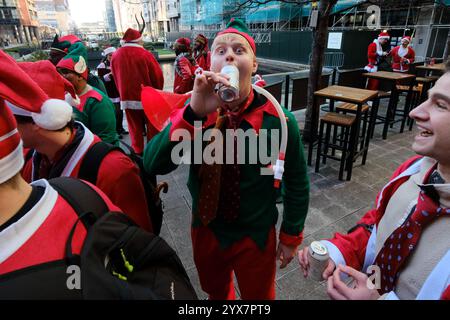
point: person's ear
(255, 65)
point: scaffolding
(212, 15)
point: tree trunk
(320, 36)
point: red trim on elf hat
(237, 26)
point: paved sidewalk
(335, 206)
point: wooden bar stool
(352, 109)
(328, 122)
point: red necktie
(219, 184)
(398, 247)
(210, 178)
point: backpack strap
(81, 197)
(86, 202)
(93, 159)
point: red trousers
(254, 268)
(137, 121)
(372, 84)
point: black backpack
(118, 259)
(89, 170)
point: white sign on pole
(334, 40)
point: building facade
(95, 29)
(173, 14)
(110, 20)
(54, 15)
(155, 15)
(125, 14)
(18, 22)
(427, 21)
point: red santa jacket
(402, 58)
(203, 59)
(133, 67)
(356, 249)
(374, 50)
(184, 74)
(40, 235)
(118, 177)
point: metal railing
(332, 59)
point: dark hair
(25, 119)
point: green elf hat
(75, 60)
(239, 27)
(63, 44)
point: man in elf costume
(59, 146)
(95, 110)
(406, 238)
(375, 53)
(402, 56)
(234, 206)
(133, 67)
(59, 49)
(184, 66)
(34, 219)
(202, 55)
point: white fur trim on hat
(108, 51)
(54, 115)
(136, 40)
(71, 100)
(122, 42)
(11, 164)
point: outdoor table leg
(390, 109)
(354, 133)
(423, 96)
(407, 106)
(373, 116)
(314, 124)
(371, 129)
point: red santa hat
(237, 26)
(30, 97)
(384, 35)
(131, 36)
(406, 38)
(183, 43)
(31, 100)
(11, 151)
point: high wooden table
(440, 67)
(393, 78)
